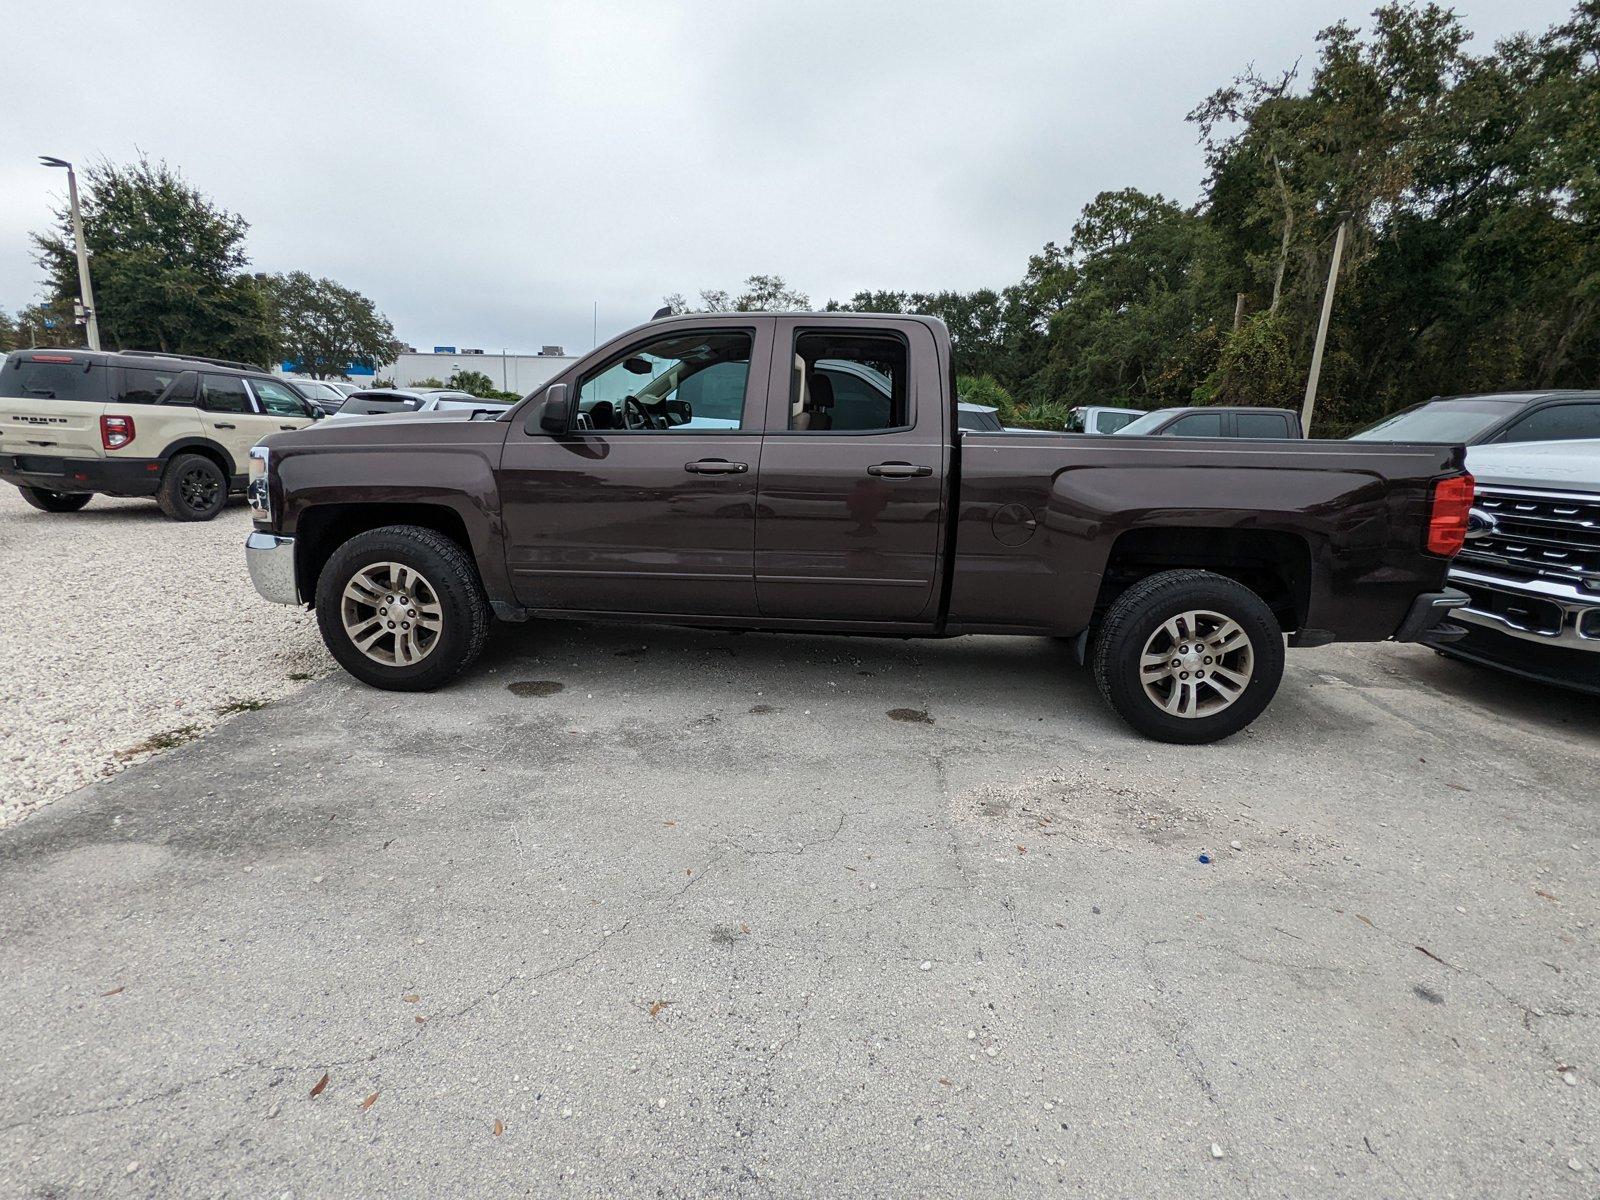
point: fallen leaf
(1367, 921)
(420, 1020)
(688, 870)
(369, 1101)
(499, 1127)
(411, 999)
(656, 1008)
(1458, 787)
(1433, 956)
(946, 1082)
(1536, 892)
(119, 987)
(1022, 849)
(745, 928)
(669, 824)
(321, 1083)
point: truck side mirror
(555, 414)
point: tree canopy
(324, 327)
(1471, 185)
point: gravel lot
(125, 632)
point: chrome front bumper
(271, 562)
(1546, 611)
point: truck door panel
(853, 467)
(649, 505)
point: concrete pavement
(660, 912)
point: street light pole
(91, 322)
(1322, 332)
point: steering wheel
(634, 415)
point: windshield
(1146, 423)
(314, 390)
(1440, 421)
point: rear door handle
(899, 470)
(221, 425)
(715, 466)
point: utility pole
(91, 322)
(1322, 331)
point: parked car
(1501, 417)
(1216, 421)
(136, 423)
(1531, 563)
(607, 493)
(1097, 418)
(397, 401)
(328, 397)
(980, 418)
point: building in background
(520, 373)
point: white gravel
(121, 633)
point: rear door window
(1261, 425)
(46, 377)
(142, 385)
(224, 394)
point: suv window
(1557, 423)
(688, 382)
(224, 394)
(278, 399)
(849, 383)
(142, 385)
(1110, 422)
(1261, 425)
(47, 377)
(1195, 425)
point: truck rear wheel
(402, 608)
(1189, 656)
(54, 502)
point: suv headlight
(257, 492)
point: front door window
(684, 383)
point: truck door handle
(899, 470)
(715, 466)
(221, 425)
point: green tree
(324, 327)
(762, 293)
(10, 335)
(168, 265)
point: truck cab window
(681, 383)
(848, 383)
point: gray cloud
(486, 172)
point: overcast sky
(486, 172)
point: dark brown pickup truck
(806, 472)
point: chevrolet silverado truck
(806, 472)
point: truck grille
(1537, 535)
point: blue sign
(444, 349)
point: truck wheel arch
(1276, 564)
(323, 528)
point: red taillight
(116, 432)
(50, 358)
(1447, 515)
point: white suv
(77, 422)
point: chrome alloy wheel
(1196, 664)
(392, 614)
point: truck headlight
(256, 491)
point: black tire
(449, 574)
(1135, 619)
(193, 488)
(54, 502)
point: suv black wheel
(193, 488)
(1189, 656)
(402, 608)
(56, 502)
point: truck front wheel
(402, 608)
(1189, 656)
